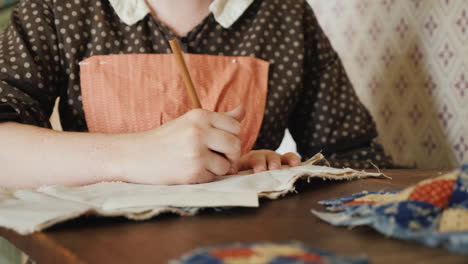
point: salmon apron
(139, 92)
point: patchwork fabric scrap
(27, 211)
(433, 212)
(266, 253)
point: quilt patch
(433, 212)
(266, 253)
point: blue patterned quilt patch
(433, 212)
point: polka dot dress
(308, 90)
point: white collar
(226, 12)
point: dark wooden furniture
(117, 240)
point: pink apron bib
(139, 92)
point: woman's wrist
(116, 155)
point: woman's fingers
(262, 160)
(291, 159)
(225, 143)
(225, 122)
(274, 160)
(204, 177)
(217, 164)
(258, 162)
(205, 118)
(237, 113)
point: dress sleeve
(329, 117)
(30, 69)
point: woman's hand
(262, 160)
(194, 148)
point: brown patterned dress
(308, 89)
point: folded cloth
(266, 253)
(433, 212)
(27, 211)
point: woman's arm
(32, 156)
(194, 148)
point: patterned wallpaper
(408, 60)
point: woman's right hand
(194, 148)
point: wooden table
(117, 240)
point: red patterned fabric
(436, 193)
(309, 257)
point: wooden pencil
(184, 73)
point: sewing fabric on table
(27, 211)
(433, 212)
(266, 253)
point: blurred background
(5, 9)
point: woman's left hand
(263, 160)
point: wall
(408, 60)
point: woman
(271, 57)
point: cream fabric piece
(454, 220)
(226, 12)
(27, 211)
